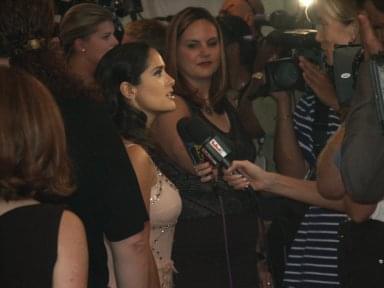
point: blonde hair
(344, 11)
(80, 21)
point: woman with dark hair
(196, 59)
(136, 86)
(86, 34)
(107, 197)
(41, 245)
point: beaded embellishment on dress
(165, 207)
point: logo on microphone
(215, 145)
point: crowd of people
(99, 189)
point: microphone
(198, 137)
(192, 148)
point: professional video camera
(122, 8)
(118, 8)
(294, 36)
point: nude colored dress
(165, 208)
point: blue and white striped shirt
(312, 259)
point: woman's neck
(82, 69)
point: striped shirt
(312, 259)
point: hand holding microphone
(255, 176)
(203, 145)
(203, 167)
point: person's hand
(206, 171)
(265, 277)
(241, 174)
(320, 83)
(371, 42)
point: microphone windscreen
(197, 129)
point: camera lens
(286, 75)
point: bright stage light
(306, 3)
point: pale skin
(153, 96)
(71, 267)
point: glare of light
(306, 3)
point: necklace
(207, 108)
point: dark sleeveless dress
(28, 245)
(199, 251)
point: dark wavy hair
(124, 63)
(33, 152)
(26, 29)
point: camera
(346, 62)
(122, 8)
(284, 73)
(376, 65)
(294, 36)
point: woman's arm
(165, 133)
(296, 189)
(133, 261)
(71, 268)
(143, 269)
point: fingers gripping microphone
(200, 139)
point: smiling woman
(86, 34)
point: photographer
(300, 136)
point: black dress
(108, 198)
(28, 245)
(199, 249)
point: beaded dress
(165, 208)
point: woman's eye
(158, 72)
(213, 43)
(106, 36)
(191, 45)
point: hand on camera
(370, 40)
(320, 83)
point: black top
(199, 199)
(199, 248)
(28, 245)
(108, 199)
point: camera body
(376, 67)
(284, 73)
(346, 62)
